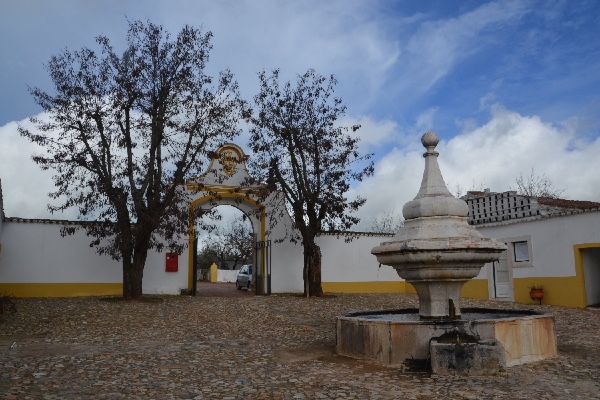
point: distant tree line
(229, 246)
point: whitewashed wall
(158, 281)
(226, 275)
(35, 252)
(353, 261)
(286, 263)
(552, 242)
(1, 215)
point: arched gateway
(227, 182)
(347, 267)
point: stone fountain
(437, 251)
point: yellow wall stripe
(61, 289)
(563, 291)
(367, 287)
(560, 291)
(475, 289)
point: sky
(507, 85)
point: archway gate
(225, 182)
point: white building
(552, 243)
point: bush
(7, 304)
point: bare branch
(535, 185)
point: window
(521, 250)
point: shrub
(7, 304)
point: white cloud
(438, 46)
(425, 120)
(372, 133)
(493, 154)
(334, 37)
(384, 60)
(25, 186)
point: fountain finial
(434, 199)
(429, 141)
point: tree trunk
(312, 269)
(133, 273)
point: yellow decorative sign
(229, 162)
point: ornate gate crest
(229, 161)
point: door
(501, 276)
(590, 258)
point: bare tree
(535, 185)
(295, 139)
(388, 222)
(460, 191)
(240, 238)
(233, 242)
(124, 131)
(215, 245)
(207, 255)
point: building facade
(551, 243)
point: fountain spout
(437, 251)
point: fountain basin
(401, 338)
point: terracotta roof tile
(578, 204)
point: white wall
(226, 275)
(158, 281)
(552, 241)
(353, 261)
(1, 216)
(35, 252)
(286, 267)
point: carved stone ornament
(229, 162)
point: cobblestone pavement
(253, 347)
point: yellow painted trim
(475, 289)
(558, 291)
(61, 289)
(220, 188)
(234, 147)
(368, 287)
(208, 198)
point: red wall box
(172, 262)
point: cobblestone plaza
(253, 347)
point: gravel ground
(252, 347)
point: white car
(244, 277)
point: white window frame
(512, 256)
